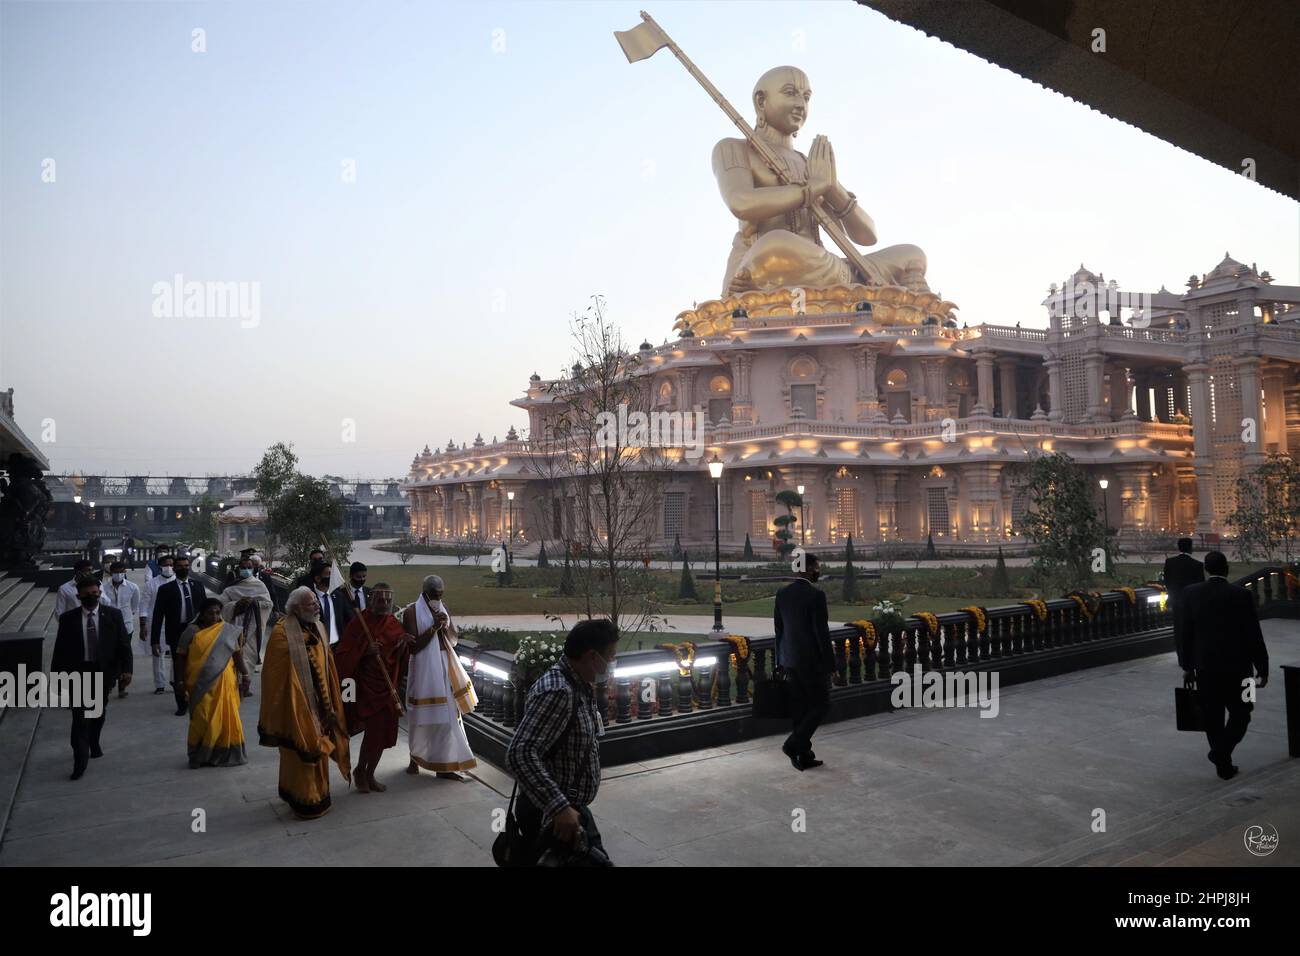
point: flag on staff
(641, 41)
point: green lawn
(471, 590)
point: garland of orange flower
(866, 632)
(1131, 594)
(931, 622)
(739, 648)
(685, 661)
(1087, 606)
(1040, 608)
(981, 616)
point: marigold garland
(1089, 602)
(931, 622)
(1131, 594)
(739, 647)
(1040, 608)
(866, 632)
(981, 616)
(685, 661)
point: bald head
(781, 98)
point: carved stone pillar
(936, 387)
(1094, 368)
(865, 363)
(984, 367)
(1057, 412)
(1120, 390)
(1275, 408)
(742, 402)
(1007, 366)
(1134, 497)
(1143, 384)
(886, 503)
(1203, 445)
(1251, 413)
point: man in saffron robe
(302, 707)
(438, 691)
(208, 656)
(373, 645)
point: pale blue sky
(495, 192)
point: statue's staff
(648, 38)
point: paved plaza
(919, 787)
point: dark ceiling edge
(1120, 95)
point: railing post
(704, 692)
(508, 703)
(724, 678)
(645, 705)
(685, 692)
(742, 679)
(841, 664)
(664, 693)
(855, 659)
(623, 700)
(884, 662)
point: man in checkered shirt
(555, 753)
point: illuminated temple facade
(900, 424)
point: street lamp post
(715, 471)
(802, 515)
(1105, 510)
(510, 500)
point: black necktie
(92, 638)
(187, 609)
(325, 612)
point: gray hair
(432, 580)
(297, 598)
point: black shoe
(181, 710)
(95, 752)
(809, 761)
(797, 763)
(1227, 771)
(160, 690)
(77, 771)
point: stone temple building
(900, 424)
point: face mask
(245, 572)
(119, 578)
(167, 572)
(358, 585)
(182, 573)
(89, 600)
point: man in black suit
(803, 651)
(356, 591)
(307, 578)
(175, 607)
(336, 610)
(92, 639)
(1223, 647)
(1181, 571)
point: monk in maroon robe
(365, 654)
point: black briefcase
(772, 698)
(1187, 707)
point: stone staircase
(25, 607)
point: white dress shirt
(324, 600)
(66, 599)
(126, 598)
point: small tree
(784, 539)
(305, 515)
(677, 547)
(1000, 586)
(541, 557)
(1267, 516)
(405, 548)
(686, 589)
(1063, 522)
(930, 553)
(200, 526)
(749, 549)
(850, 592)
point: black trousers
(810, 701)
(85, 733)
(529, 818)
(1219, 693)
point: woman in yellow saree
(208, 655)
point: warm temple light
(1104, 484)
(510, 496)
(800, 489)
(76, 499)
(715, 468)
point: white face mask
(167, 572)
(119, 578)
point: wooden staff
(379, 661)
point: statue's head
(781, 98)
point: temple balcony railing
(975, 424)
(654, 707)
(1007, 332)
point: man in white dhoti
(438, 691)
(247, 604)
